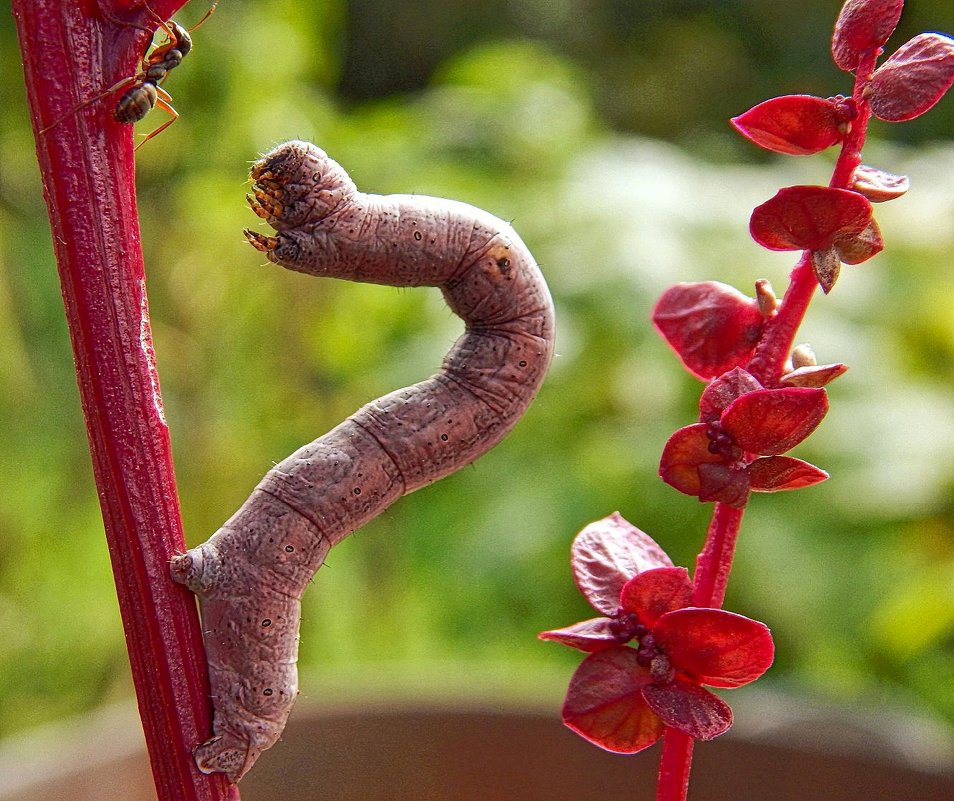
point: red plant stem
(767, 365)
(850, 156)
(708, 589)
(715, 560)
(674, 766)
(768, 362)
(70, 53)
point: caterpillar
(251, 573)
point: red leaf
(712, 327)
(798, 125)
(862, 26)
(878, 185)
(722, 391)
(827, 267)
(590, 635)
(715, 647)
(608, 553)
(808, 217)
(725, 483)
(775, 473)
(856, 248)
(686, 449)
(690, 709)
(655, 592)
(604, 703)
(772, 421)
(913, 79)
(815, 375)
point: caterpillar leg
(226, 754)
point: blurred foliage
(674, 69)
(532, 114)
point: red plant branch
(71, 52)
(763, 397)
(767, 365)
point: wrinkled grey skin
(250, 574)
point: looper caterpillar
(250, 574)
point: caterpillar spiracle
(251, 573)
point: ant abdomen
(136, 103)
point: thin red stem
(70, 53)
(715, 560)
(674, 766)
(768, 362)
(708, 589)
(850, 156)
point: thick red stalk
(71, 52)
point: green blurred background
(599, 128)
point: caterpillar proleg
(250, 575)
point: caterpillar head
(296, 184)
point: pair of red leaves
(743, 429)
(737, 446)
(836, 225)
(913, 78)
(908, 84)
(621, 697)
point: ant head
(180, 38)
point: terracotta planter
(486, 752)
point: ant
(146, 94)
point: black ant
(146, 94)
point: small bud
(813, 375)
(846, 107)
(803, 356)
(647, 651)
(661, 669)
(827, 265)
(765, 296)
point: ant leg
(161, 102)
(116, 86)
(160, 23)
(166, 29)
(207, 15)
(111, 17)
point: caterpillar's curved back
(250, 574)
